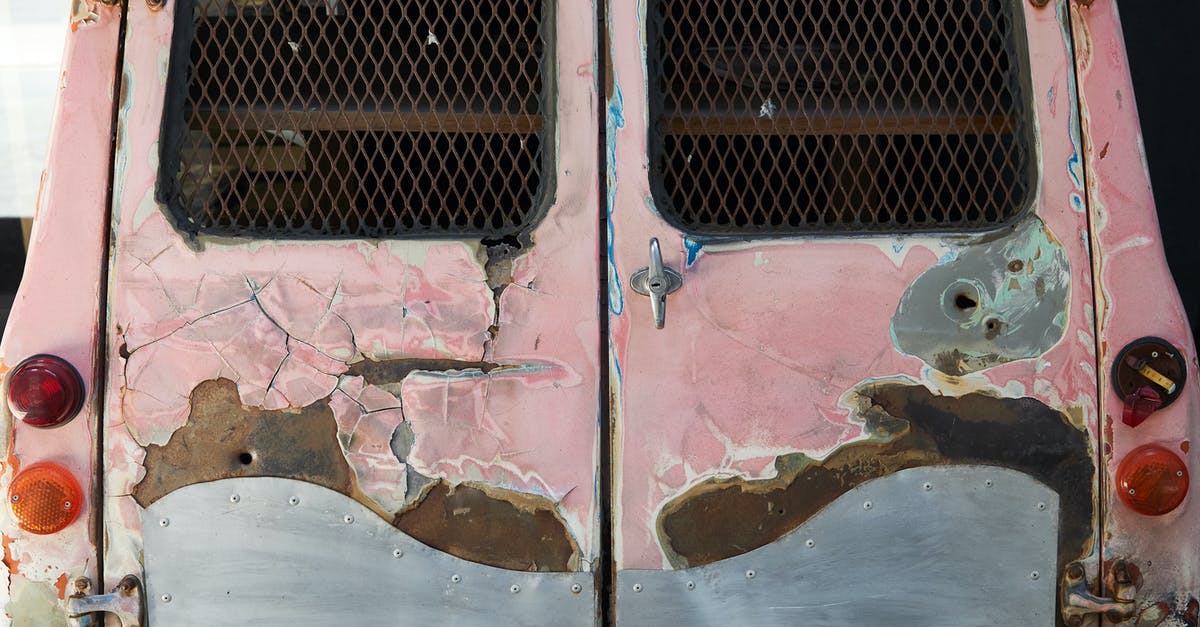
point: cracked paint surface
(291, 324)
(766, 340)
(1136, 296)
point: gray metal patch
(939, 545)
(267, 551)
(997, 301)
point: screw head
(988, 483)
(397, 553)
(1035, 575)
(637, 587)
(810, 543)
(1041, 506)
(163, 522)
(691, 585)
(576, 588)
(455, 578)
(514, 588)
(294, 500)
(868, 505)
(348, 519)
(166, 598)
(927, 486)
(750, 574)
(233, 498)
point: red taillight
(45, 498)
(45, 391)
(1152, 480)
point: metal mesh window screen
(356, 118)
(791, 116)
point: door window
(329, 118)
(787, 116)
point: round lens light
(45, 391)
(45, 498)
(1152, 480)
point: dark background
(1164, 53)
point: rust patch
(502, 528)
(10, 562)
(1185, 446)
(224, 439)
(910, 427)
(61, 586)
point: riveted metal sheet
(948, 545)
(268, 551)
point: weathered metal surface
(462, 362)
(908, 426)
(956, 545)
(769, 342)
(496, 527)
(276, 551)
(55, 311)
(994, 302)
(1135, 297)
(224, 438)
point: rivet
(1041, 506)
(348, 519)
(455, 578)
(867, 505)
(66, 505)
(576, 588)
(988, 483)
(514, 588)
(810, 543)
(1034, 575)
(1178, 473)
(691, 585)
(233, 498)
(163, 522)
(166, 598)
(397, 553)
(928, 486)
(1132, 491)
(1154, 354)
(16, 498)
(750, 574)
(295, 500)
(637, 587)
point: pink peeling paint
(765, 340)
(1137, 297)
(284, 321)
(57, 307)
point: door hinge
(1123, 580)
(124, 602)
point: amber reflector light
(45, 391)
(1152, 480)
(45, 498)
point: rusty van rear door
(873, 392)
(353, 330)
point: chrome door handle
(656, 281)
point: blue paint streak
(693, 250)
(897, 246)
(616, 120)
(1075, 162)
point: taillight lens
(45, 498)
(45, 391)
(1152, 480)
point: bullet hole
(246, 458)
(1016, 265)
(964, 301)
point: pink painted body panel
(57, 308)
(1137, 297)
(767, 340)
(284, 320)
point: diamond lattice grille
(786, 116)
(356, 118)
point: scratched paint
(766, 339)
(295, 324)
(1135, 297)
